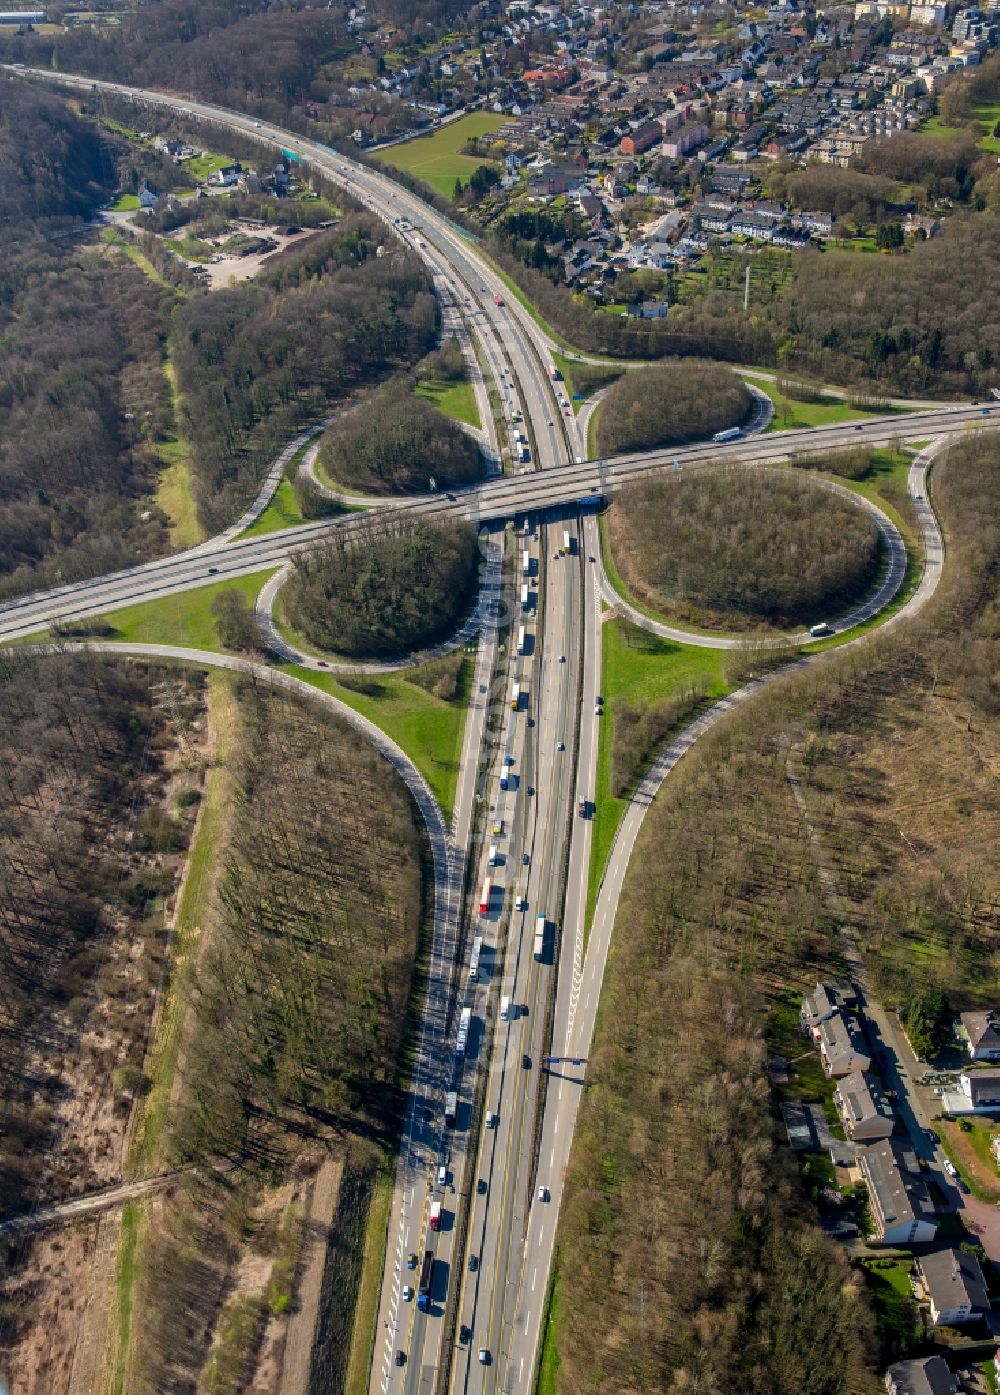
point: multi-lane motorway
(526, 790)
(502, 498)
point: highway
(493, 500)
(493, 1253)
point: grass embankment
(370, 1284)
(282, 512)
(120, 1325)
(582, 380)
(145, 1145)
(428, 728)
(126, 245)
(186, 619)
(642, 670)
(148, 1132)
(790, 414)
(969, 1149)
(456, 400)
(548, 1365)
(174, 493)
(438, 159)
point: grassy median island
(669, 404)
(739, 550)
(396, 443)
(391, 588)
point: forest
(737, 548)
(695, 1256)
(668, 405)
(280, 62)
(394, 443)
(100, 786)
(257, 361)
(385, 590)
(82, 394)
(299, 1005)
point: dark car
(473, 1263)
(400, 1358)
(464, 1333)
(481, 1186)
(526, 1061)
(213, 571)
(932, 1135)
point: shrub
(395, 442)
(235, 621)
(741, 546)
(851, 463)
(670, 404)
(385, 590)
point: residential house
(828, 997)
(227, 176)
(900, 1204)
(925, 1375)
(819, 223)
(643, 138)
(648, 310)
(842, 1047)
(759, 226)
(981, 1088)
(981, 1031)
(147, 196)
(955, 1287)
(922, 226)
(863, 1108)
(792, 238)
(677, 144)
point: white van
(493, 855)
(442, 1176)
(505, 1008)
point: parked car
(950, 1168)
